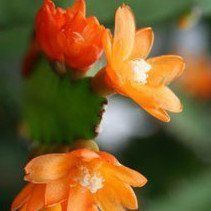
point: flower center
(140, 68)
(93, 182)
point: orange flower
(77, 181)
(68, 36)
(197, 78)
(129, 73)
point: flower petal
(168, 100)
(125, 174)
(108, 158)
(124, 35)
(56, 191)
(108, 200)
(154, 97)
(130, 176)
(93, 31)
(125, 193)
(36, 201)
(23, 208)
(165, 69)
(157, 98)
(46, 168)
(143, 43)
(80, 199)
(78, 6)
(158, 113)
(22, 197)
(107, 44)
(58, 207)
(85, 154)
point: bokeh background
(175, 157)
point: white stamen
(93, 182)
(140, 68)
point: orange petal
(126, 175)
(124, 35)
(58, 207)
(164, 69)
(167, 100)
(108, 200)
(107, 44)
(23, 208)
(108, 158)
(125, 193)
(80, 199)
(92, 33)
(22, 197)
(130, 176)
(56, 191)
(85, 154)
(154, 97)
(158, 113)
(46, 168)
(79, 5)
(157, 98)
(36, 201)
(143, 43)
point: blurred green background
(175, 157)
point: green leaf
(58, 110)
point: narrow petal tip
(143, 182)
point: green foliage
(191, 195)
(58, 110)
(146, 11)
(14, 42)
(13, 159)
(192, 126)
(205, 5)
(163, 160)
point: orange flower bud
(78, 180)
(67, 36)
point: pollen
(93, 182)
(140, 68)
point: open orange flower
(82, 180)
(68, 36)
(129, 73)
